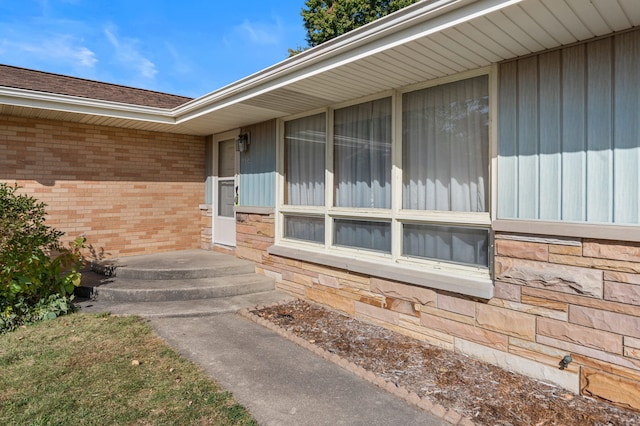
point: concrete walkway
(279, 382)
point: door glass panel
(226, 198)
(226, 158)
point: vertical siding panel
(508, 141)
(257, 167)
(586, 165)
(550, 136)
(528, 189)
(208, 172)
(599, 131)
(627, 125)
(573, 134)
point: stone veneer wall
(206, 234)
(129, 191)
(553, 297)
(584, 297)
(254, 235)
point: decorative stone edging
(401, 392)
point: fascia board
(322, 52)
(401, 27)
(376, 37)
(73, 104)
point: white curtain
(305, 228)
(445, 167)
(305, 141)
(363, 234)
(454, 244)
(362, 155)
(446, 147)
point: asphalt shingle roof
(22, 78)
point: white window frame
(472, 280)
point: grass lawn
(97, 370)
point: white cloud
(260, 33)
(127, 53)
(180, 63)
(58, 48)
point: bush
(37, 274)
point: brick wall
(553, 297)
(128, 191)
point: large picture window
(407, 180)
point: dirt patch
(487, 394)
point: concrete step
(188, 264)
(140, 290)
(186, 308)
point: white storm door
(224, 197)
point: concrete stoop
(184, 283)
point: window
(375, 236)
(362, 155)
(446, 147)
(467, 246)
(420, 200)
(304, 228)
(569, 134)
(305, 140)
(445, 163)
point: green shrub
(37, 274)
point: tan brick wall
(128, 191)
(553, 297)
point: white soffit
(417, 44)
(462, 35)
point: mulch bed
(486, 394)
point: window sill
(568, 229)
(255, 210)
(447, 280)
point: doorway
(225, 189)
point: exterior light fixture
(242, 142)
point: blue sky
(183, 47)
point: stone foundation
(553, 297)
(206, 221)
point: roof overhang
(422, 42)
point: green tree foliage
(37, 274)
(327, 19)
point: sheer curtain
(362, 155)
(446, 147)
(304, 228)
(305, 140)
(362, 234)
(445, 167)
(454, 244)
